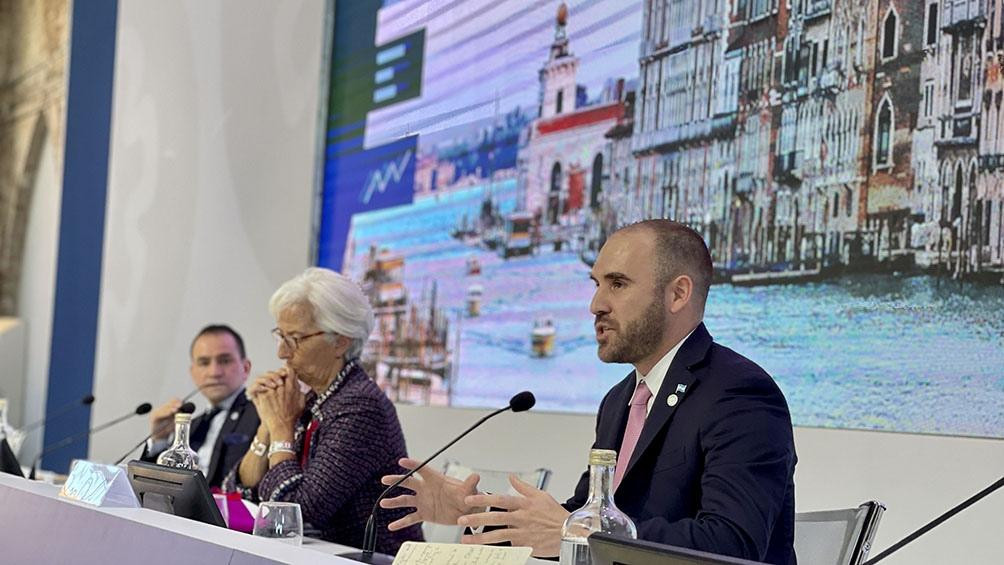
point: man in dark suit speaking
(705, 450)
(222, 434)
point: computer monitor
(8, 461)
(606, 549)
(181, 492)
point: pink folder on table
(238, 516)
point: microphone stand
(368, 554)
(70, 439)
(85, 401)
(936, 522)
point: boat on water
(473, 266)
(542, 337)
(517, 240)
(474, 295)
(777, 277)
(466, 231)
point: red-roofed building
(561, 163)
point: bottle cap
(182, 418)
(607, 457)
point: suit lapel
(680, 378)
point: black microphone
(138, 411)
(62, 411)
(186, 408)
(521, 402)
(936, 522)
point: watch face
(257, 447)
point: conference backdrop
(841, 159)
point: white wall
(211, 180)
(37, 288)
(12, 346)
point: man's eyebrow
(617, 277)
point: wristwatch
(257, 447)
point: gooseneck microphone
(138, 411)
(936, 522)
(62, 411)
(521, 402)
(186, 408)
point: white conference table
(37, 526)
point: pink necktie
(636, 421)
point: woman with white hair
(327, 432)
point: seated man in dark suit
(222, 433)
(706, 455)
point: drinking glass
(279, 520)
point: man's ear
(678, 293)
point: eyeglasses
(292, 342)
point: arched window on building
(946, 183)
(596, 182)
(932, 24)
(554, 195)
(889, 39)
(957, 196)
(884, 127)
(975, 211)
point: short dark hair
(679, 251)
(216, 329)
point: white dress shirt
(653, 380)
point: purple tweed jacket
(358, 440)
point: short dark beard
(639, 338)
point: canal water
(864, 351)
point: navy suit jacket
(715, 471)
(232, 443)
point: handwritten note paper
(418, 553)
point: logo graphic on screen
(391, 172)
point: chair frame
(863, 542)
(541, 483)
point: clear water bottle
(598, 515)
(180, 454)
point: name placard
(420, 553)
(99, 485)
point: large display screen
(836, 155)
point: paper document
(420, 553)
